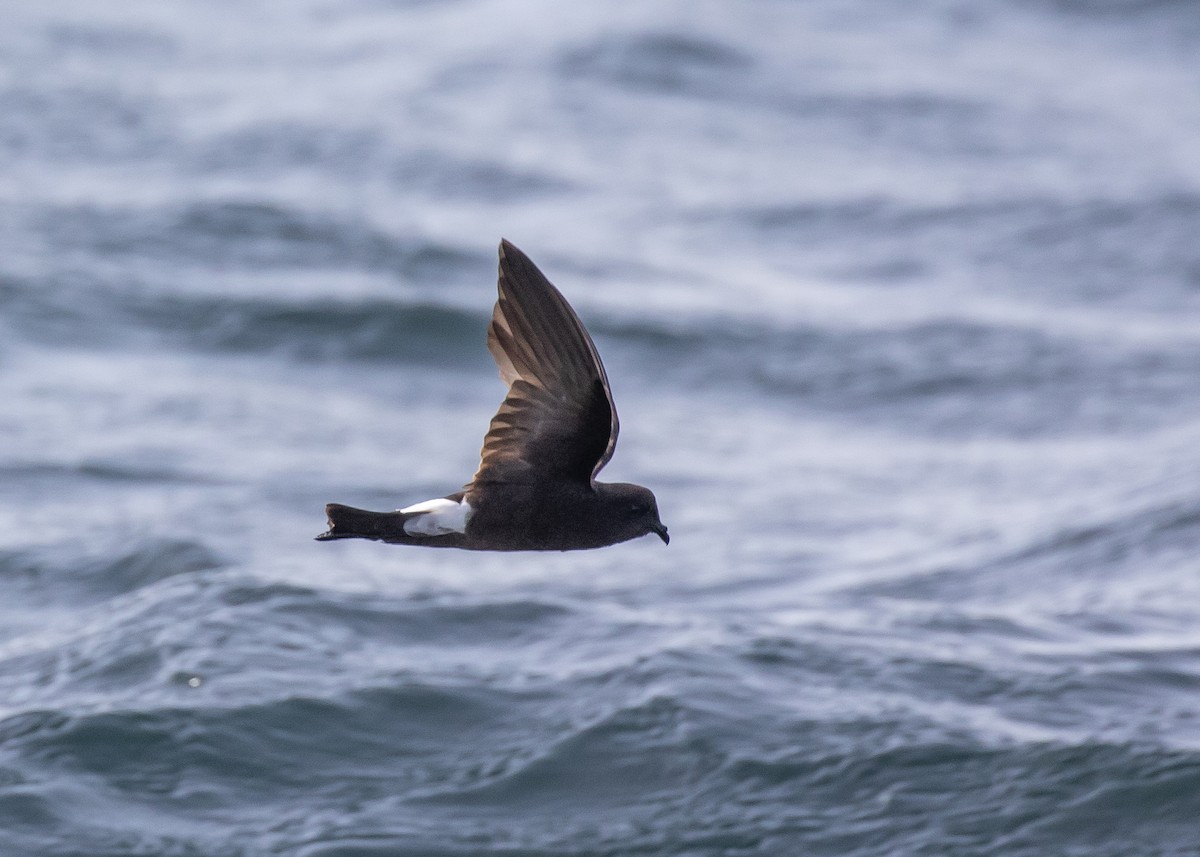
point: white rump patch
(437, 517)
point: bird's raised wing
(558, 420)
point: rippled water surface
(901, 307)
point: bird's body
(535, 488)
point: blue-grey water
(900, 302)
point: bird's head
(632, 511)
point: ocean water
(900, 303)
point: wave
(1017, 800)
(594, 763)
(1123, 251)
(422, 620)
(252, 233)
(275, 745)
(487, 179)
(371, 329)
(65, 573)
(885, 215)
(100, 470)
(622, 765)
(949, 375)
(81, 123)
(1159, 535)
(939, 375)
(1126, 12)
(311, 329)
(657, 61)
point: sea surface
(900, 302)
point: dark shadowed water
(900, 302)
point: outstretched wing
(558, 420)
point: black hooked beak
(661, 529)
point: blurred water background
(900, 302)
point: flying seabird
(536, 486)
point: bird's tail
(346, 522)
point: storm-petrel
(536, 486)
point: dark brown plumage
(535, 488)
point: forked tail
(346, 522)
